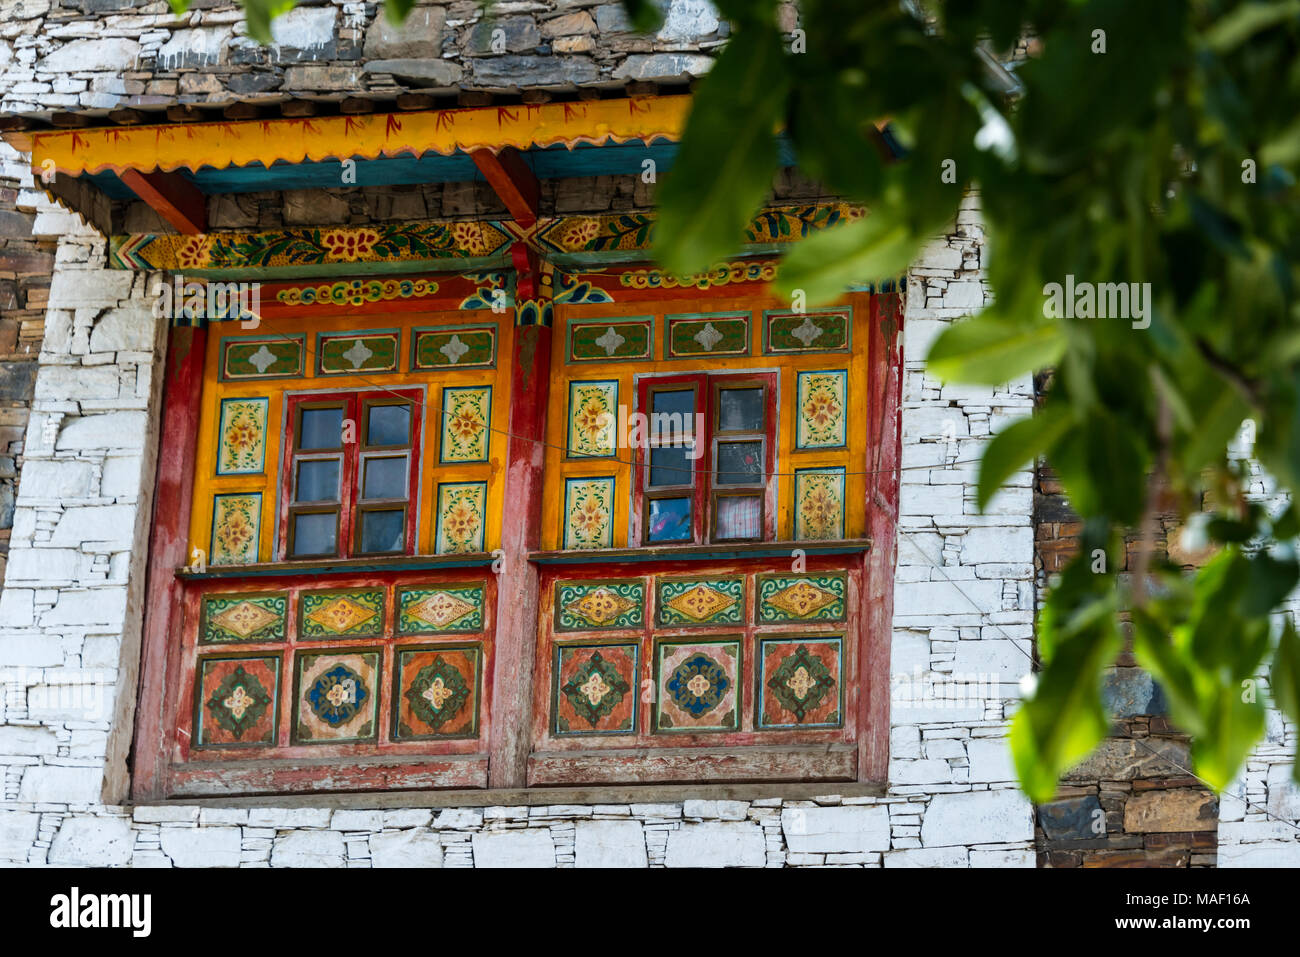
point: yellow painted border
(852, 458)
(241, 143)
(207, 483)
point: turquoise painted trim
(602, 556)
(358, 269)
(298, 569)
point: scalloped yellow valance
(244, 142)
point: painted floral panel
(462, 517)
(466, 424)
(337, 697)
(236, 701)
(801, 683)
(823, 404)
(818, 504)
(236, 522)
(596, 689)
(593, 418)
(589, 512)
(241, 436)
(698, 686)
(437, 692)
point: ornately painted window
(703, 598)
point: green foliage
(1152, 145)
(728, 157)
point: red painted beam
(884, 455)
(518, 586)
(160, 666)
(509, 175)
(178, 201)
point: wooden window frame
(355, 405)
(704, 490)
(154, 773)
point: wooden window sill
(534, 796)
(699, 553)
(340, 566)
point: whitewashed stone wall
(70, 619)
(114, 54)
(1263, 830)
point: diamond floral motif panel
(822, 416)
(593, 418)
(610, 341)
(699, 686)
(699, 601)
(236, 521)
(233, 618)
(708, 335)
(462, 515)
(596, 689)
(262, 357)
(433, 611)
(793, 332)
(587, 606)
(356, 613)
(235, 702)
(589, 512)
(344, 354)
(800, 683)
(458, 348)
(336, 697)
(466, 424)
(437, 693)
(801, 597)
(241, 436)
(818, 504)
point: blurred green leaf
(724, 169)
(1018, 444)
(989, 351)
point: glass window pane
(671, 467)
(383, 531)
(320, 429)
(318, 481)
(739, 463)
(315, 533)
(739, 516)
(740, 410)
(670, 520)
(388, 424)
(679, 401)
(384, 478)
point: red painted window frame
(706, 385)
(353, 401)
(156, 729)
